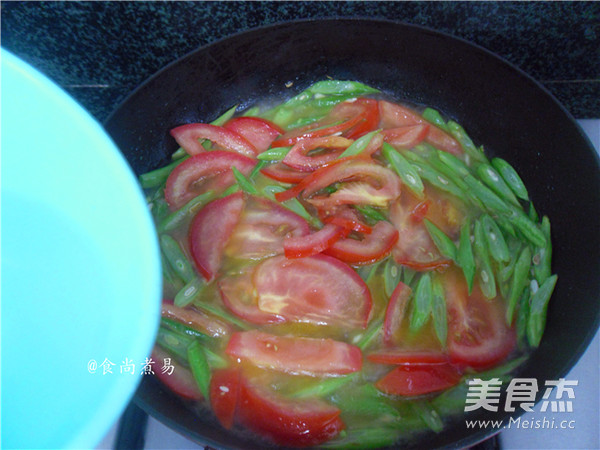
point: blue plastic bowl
(81, 277)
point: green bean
(434, 177)
(222, 314)
(439, 313)
(370, 334)
(450, 173)
(251, 112)
(230, 190)
(523, 317)
(495, 240)
(464, 255)
(422, 303)
(175, 343)
(391, 276)
(459, 133)
(537, 314)
(365, 401)
(159, 209)
(339, 87)
(169, 274)
(543, 257)
(454, 163)
(407, 275)
(178, 261)
(359, 145)
(292, 204)
(492, 202)
(487, 281)
(274, 154)
(441, 241)
(215, 361)
(372, 214)
(199, 366)
(179, 153)
(158, 177)
(532, 214)
(428, 414)
(189, 292)
(519, 282)
(407, 173)
(256, 170)
(512, 178)
(223, 118)
(433, 116)
(452, 400)
(323, 387)
(495, 182)
(174, 219)
(244, 183)
(372, 270)
(180, 328)
(528, 229)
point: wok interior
(498, 105)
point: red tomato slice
(395, 311)
(478, 336)
(407, 136)
(348, 220)
(224, 395)
(198, 320)
(203, 172)
(362, 183)
(420, 211)
(291, 423)
(295, 355)
(404, 357)
(314, 243)
(237, 293)
(180, 380)
(318, 289)
(413, 380)
(298, 157)
(366, 108)
(371, 248)
(259, 132)
(283, 173)
(394, 115)
(188, 136)
(263, 227)
(210, 231)
(315, 130)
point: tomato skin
(317, 289)
(315, 130)
(298, 158)
(259, 132)
(350, 223)
(283, 173)
(295, 355)
(413, 380)
(478, 336)
(405, 357)
(368, 109)
(224, 393)
(312, 244)
(187, 136)
(195, 319)
(395, 311)
(291, 423)
(181, 381)
(210, 231)
(372, 248)
(407, 136)
(214, 167)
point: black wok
(497, 104)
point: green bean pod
(543, 257)
(490, 200)
(244, 183)
(441, 241)
(495, 240)
(323, 387)
(174, 219)
(496, 183)
(292, 204)
(407, 173)
(522, 318)
(392, 274)
(512, 178)
(428, 415)
(176, 343)
(200, 368)
(189, 292)
(359, 145)
(176, 258)
(433, 116)
(537, 314)
(159, 176)
(372, 331)
(459, 133)
(464, 255)
(274, 154)
(372, 214)
(519, 282)
(486, 274)
(439, 312)
(422, 303)
(453, 163)
(528, 229)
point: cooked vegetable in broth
(337, 266)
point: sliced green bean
(292, 204)
(459, 133)
(200, 368)
(244, 183)
(223, 118)
(180, 328)
(537, 314)
(372, 271)
(433, 116)
(372, 331)
(492, 202)
(454, 163)
(464, 255)
(158, 177)
(392, 274)
(532, 214)
(528, 229)
(487, 280)
(339, 87)
(222, 314)
(176, 258)
(230, 190)
(359, 145)
(408, 275)
(439, 312)
(215, 361)
(407, 173)
(274, 154)
(169, 274)
(256, 170)
(512, 178)
(434, 177)
(323, 387)
(178, 154)
(519, 282)
(251, 112)
(543, 257)
(523, 317)
(160, 209)
(175, 343)
(190, 292)
(428, 414)
(496, 183)
(422, 303)
(495, 240)
(444, 244)
(372, 214)
(365, 401)
(176, 218)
